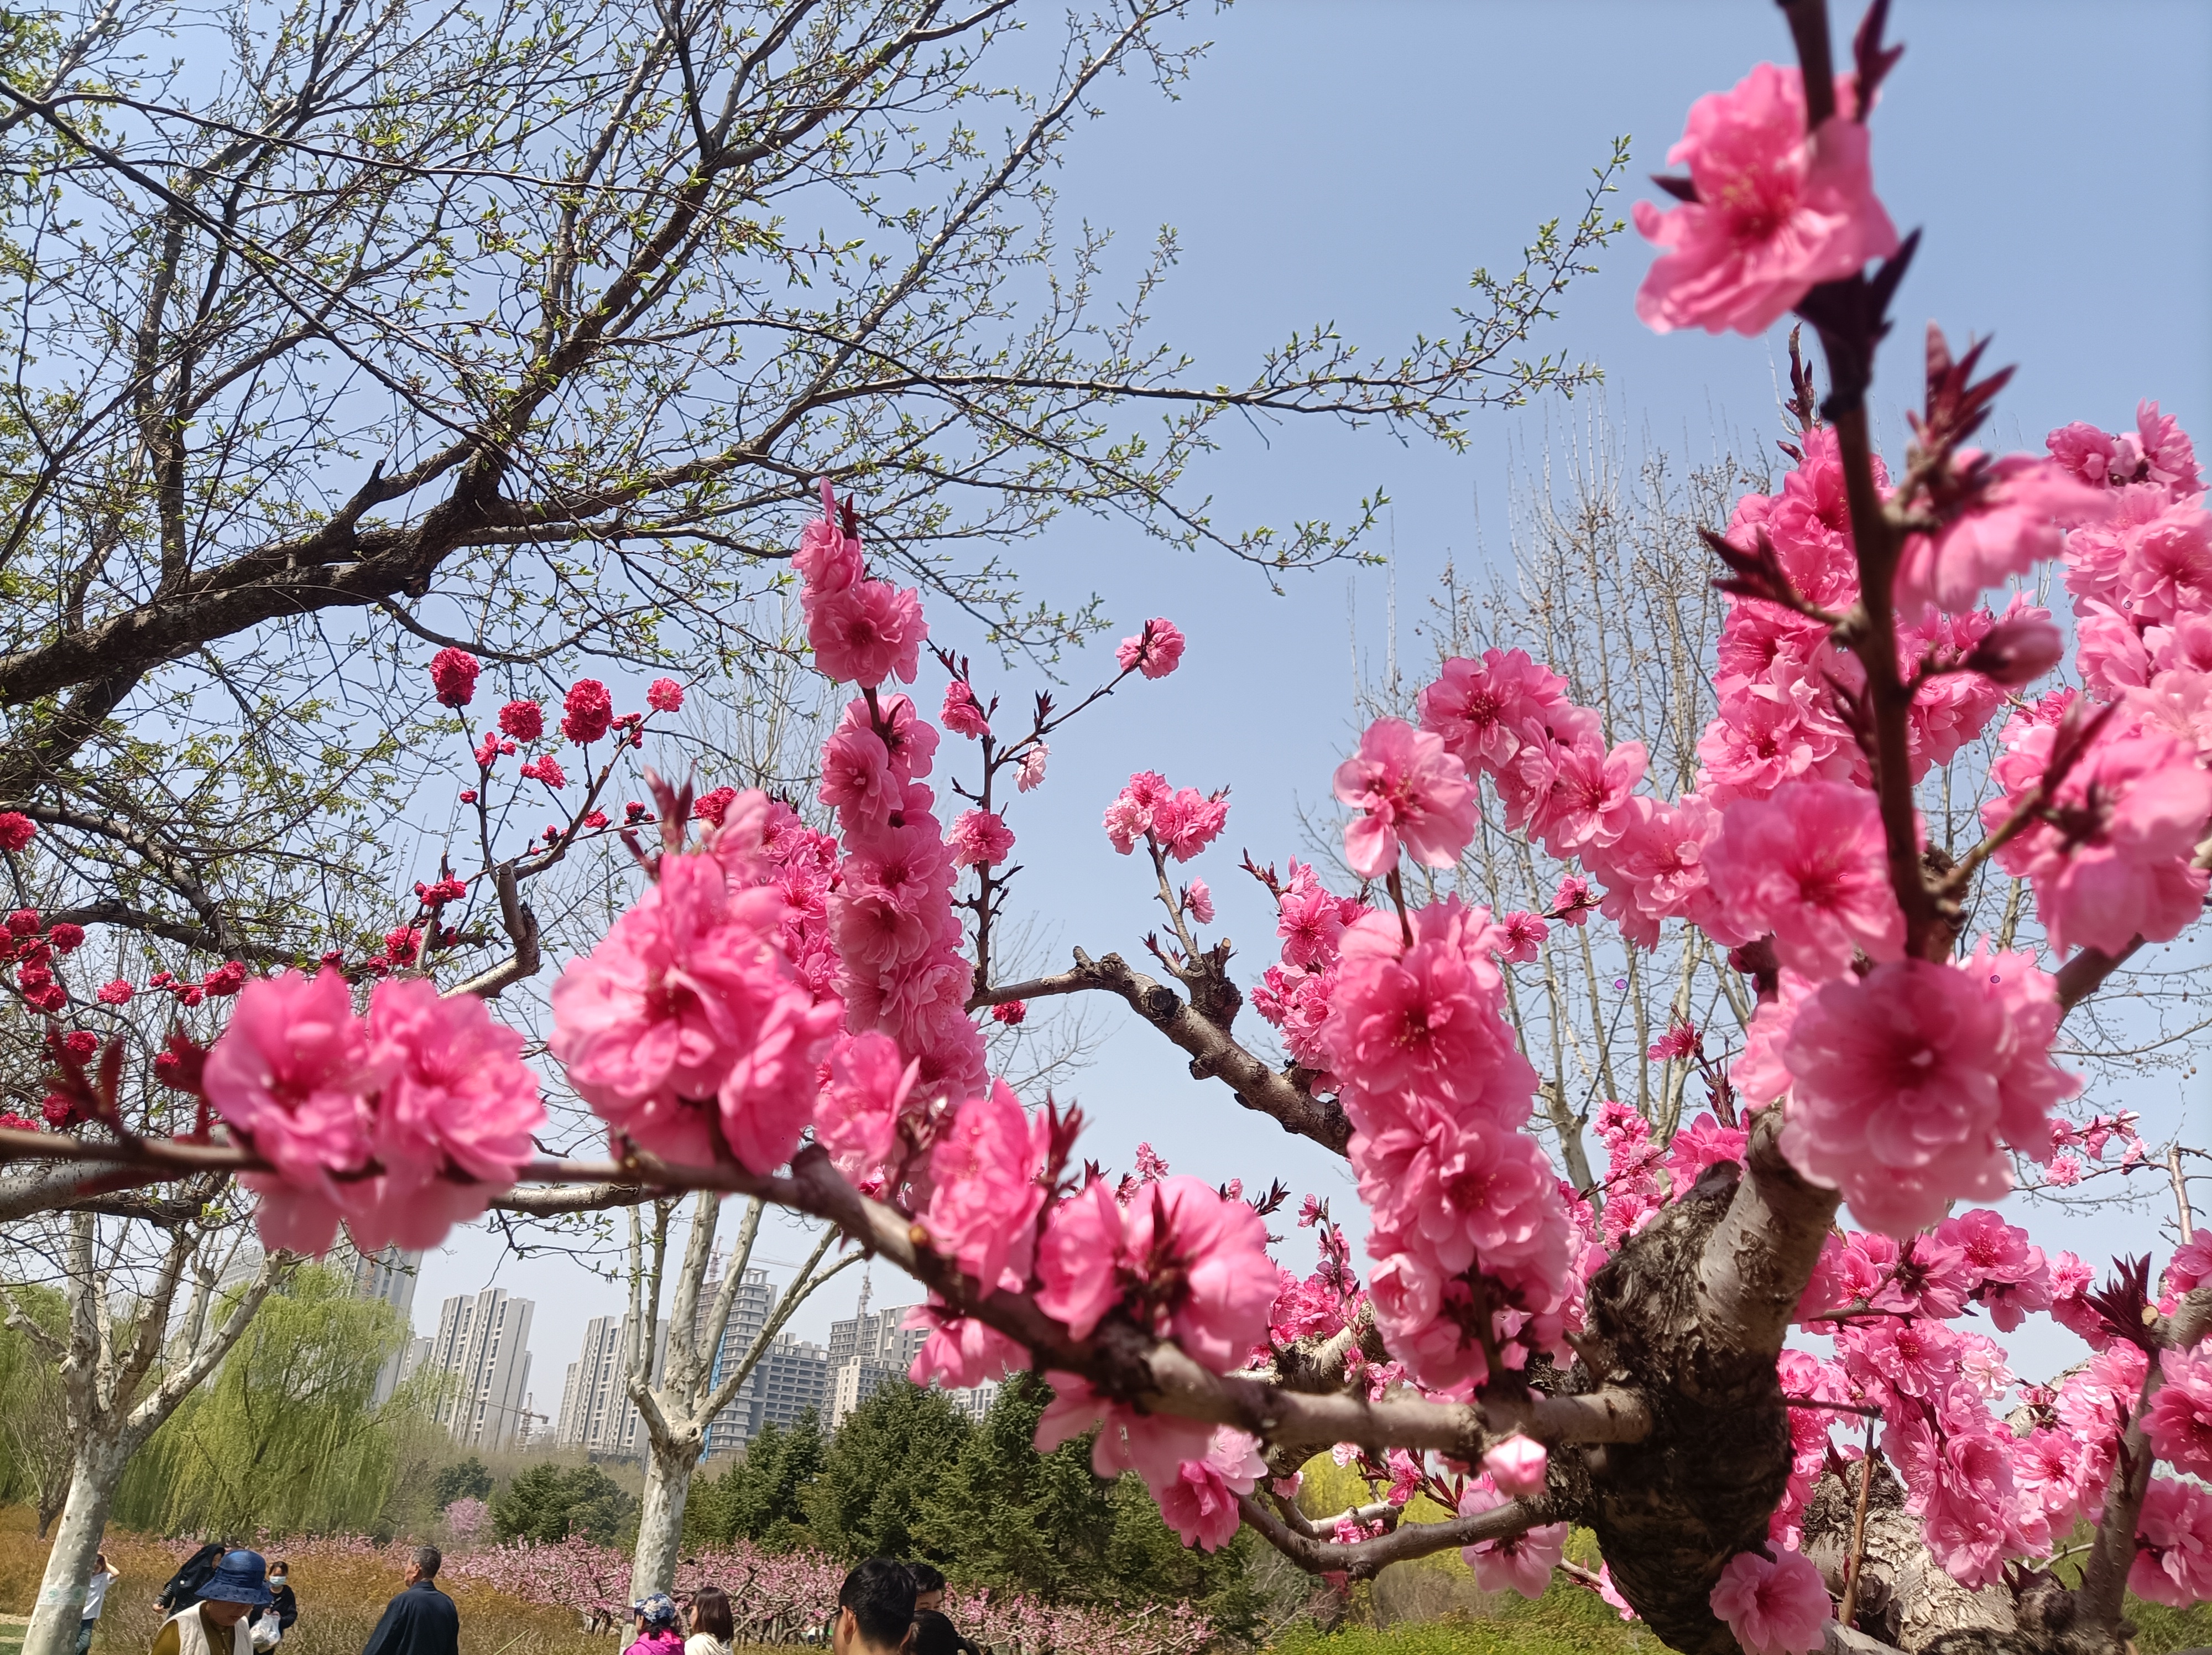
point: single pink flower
(523, 720)
(2134, 808)
(2173, 1545)
(988, 1168)
(1520, 1563)
(1198, 901)
(979, 838)
(2017, 521)
(1810, 864)
(870, 631)
(17, 830)
(1517, 1465)
(1480, 708)
(1409, 790)
(828, 559)
(453, 676)
(1907, 1082)
(1187, 821)
(857, 1116)
(453, 1119)
(587, 711)
(664, 696)
(1201, 1504)
(2180, 1417)
(1029, 777)
(1155, 652)
(1775, 1608)
(962, 713)
(1777, 211)
(961, 1352)
(292, 1073)
(857, 781)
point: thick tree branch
(1214, 1055)
(1365, 1559)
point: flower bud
(2018, 651)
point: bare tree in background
(343, 333)
(131, 1353)
(670, 1364)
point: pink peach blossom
(1517, 1465)
(1810, 864)
(866, 633)
(1906, 1081)
(1776, 211)
(454, 1116)
(1522, 1563)
(1410, 791)
(2134, 807)
(980, 839)
(293, 1072)
(857, 1116)
(1155, 651)
(1775, 1608)
(1201, 1504)
(1479, 708)
(2179, 1421)
(988, 1168)
(2016, 521)
(962, 713)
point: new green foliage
(287, 1437)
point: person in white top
(95, 1598)
(711, 1625)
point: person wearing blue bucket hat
(215, 1625)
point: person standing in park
(713, 1626)
(421, 1619)
(183, 1587)
(269, 1625)
(214, 1624)
(95, 1597)
(655, 1617)
(875, 1610)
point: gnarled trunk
(1906, 1598)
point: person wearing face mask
(270, 1625)
(215, 1623)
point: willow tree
(288, 1438)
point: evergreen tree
(1003, 1515)
(880, 1468)
(762, 1498)
(548, 1502)
(468, 1479)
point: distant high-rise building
(749, 1312)
(867, 1352)
(482, 1348)
(389, 1275)
(597, 1415)
(975, 1400)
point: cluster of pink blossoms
(898, 940)
(1179, 822)
(401, 1123)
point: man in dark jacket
(184, 1588)
(422, 1619)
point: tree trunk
(1906, 1598)
(1670, 1511)
(661, 1521)
(95, 1475)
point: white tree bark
(116, 1395)
(680, 1402)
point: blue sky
(1353, 164)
